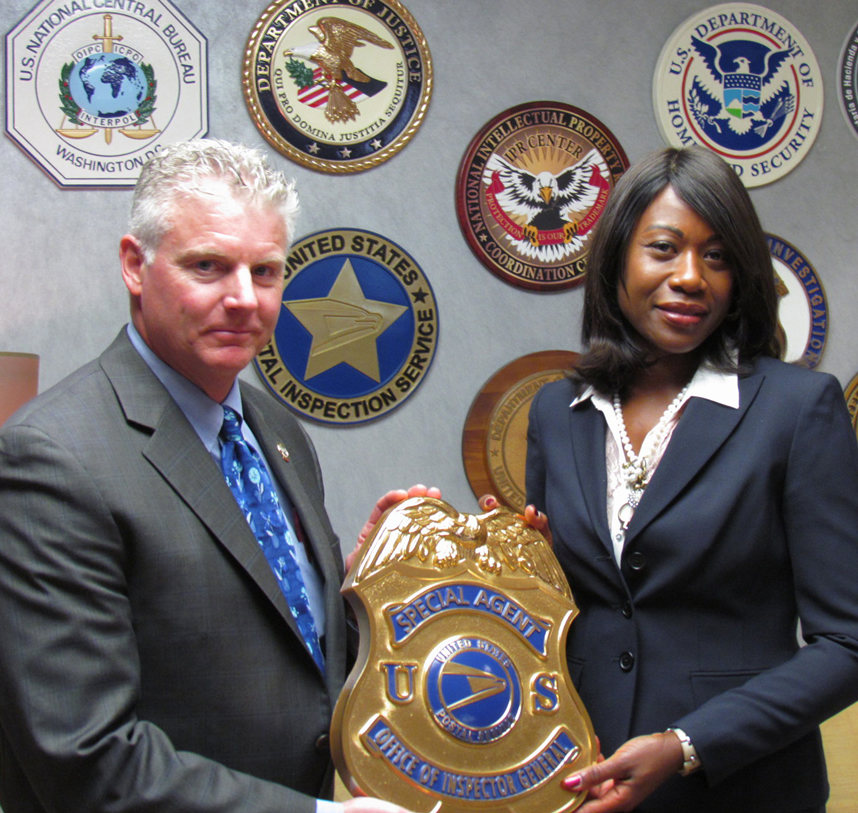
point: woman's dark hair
(713, 190)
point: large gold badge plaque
(461, 699)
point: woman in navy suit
(703, 501)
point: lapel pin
(284, 452)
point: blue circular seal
(357, 331)
(473, 690)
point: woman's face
(677, 283)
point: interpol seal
(530, 189)
(91, 95)
(461, 699)
(494, 441)
(743, 81)
(340, 86)
(848, 76)
(851, 393)
(802, 306)
(357, 331)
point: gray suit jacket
(749, 523)
(149, 660)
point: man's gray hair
(184, 167)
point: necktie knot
(231, 429)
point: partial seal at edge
(494, 440)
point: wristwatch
(690, 760)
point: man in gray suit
(149, 659)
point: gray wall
(62, 295)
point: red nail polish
(572, 783)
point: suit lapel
(175, 450)
(587, 428)
(701, 431)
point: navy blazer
(749, 523)
(149, 660)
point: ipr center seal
(531, 187)
(358, 328)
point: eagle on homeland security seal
(340, 86)
(358, 328)
(461, 699)
(743, 81)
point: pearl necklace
(635, 467)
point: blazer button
(323, 744)
(637, 561)
(627, 661)
(627, 609)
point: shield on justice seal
(461, 699)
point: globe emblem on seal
(107, 86)
(473, 690)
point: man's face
(209, 300)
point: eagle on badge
(338, 39)
(744, 83)
(548, 201)
(427, 531)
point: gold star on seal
(344, 325)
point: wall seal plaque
(90, 95)
(340, 86)
(530, 189)
(494, 441)
(802, 305)
(851, 395)
(358, 328)
(461, 699)
(847, 85)
(742, 81)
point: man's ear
(131, 258)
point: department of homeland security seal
(743, 81)
(357, 331)
(494, 441)
(802, 306)
(95, 87)
(340, 86)
(848, 76)
(461, 699)
(530, 189)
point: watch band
(690, 760)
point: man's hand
(634, 771)
(385, 502)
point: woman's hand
(385, 502)
(536, 519)
(634, 771)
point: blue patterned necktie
(250, 484)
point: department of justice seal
(340, 86)
(802, 306)
(530, 189)
(94, 88)
(848, 80)
(358, 328)
(743, 81)
(494, 441)
(461, 699)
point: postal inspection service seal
(358, 328)
(338, 87)
(531, 187)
